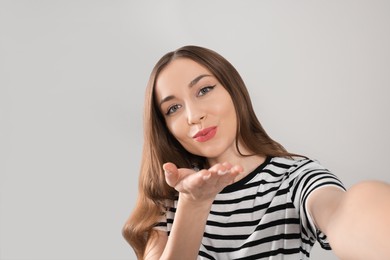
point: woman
(214, 185)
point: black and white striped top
(264, 216)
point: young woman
(214, 185)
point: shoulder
(296, 164)
(305, 174)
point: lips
(205, 134)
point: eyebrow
(191, 84)
(196, 80)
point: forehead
(179, 72)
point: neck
(249, 164)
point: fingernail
(223, 172)
(206, 177)
(167, 172)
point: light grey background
(72, 80)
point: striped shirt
(264, 215)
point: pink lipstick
(205, 134)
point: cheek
(227, 109)
(177, 129)
(229, 116)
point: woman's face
(198, 110)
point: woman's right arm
(155, 245)
(197, 191)
(186, 234)
(187, 230)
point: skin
(191, 99)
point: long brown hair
(160, 146)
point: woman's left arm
(356, 222)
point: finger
(227, 165)
(234, 171)
(219, 167)
(218, 173)
(237, 169)
(204, 174)
(214, 175)
(222, 169)
(228, 177)
(223, 172)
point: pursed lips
(205, 134)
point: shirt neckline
(234, 186)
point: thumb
(171, 174)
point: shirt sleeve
(161, 225)
(305, 177)
(164, 223)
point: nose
(195, 114)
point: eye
(205, 90)
(172, 109)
